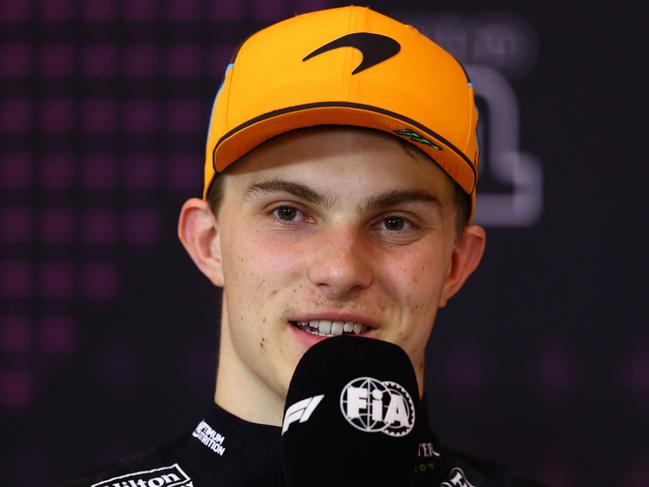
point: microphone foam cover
(350, 415)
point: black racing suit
(224, 450)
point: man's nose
(340, 262)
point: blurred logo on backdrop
(496, 48)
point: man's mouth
(327, 328)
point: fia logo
(371, 405)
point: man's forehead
(323, 165)
(329, 199)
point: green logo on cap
(417, 138)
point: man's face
(287, 257)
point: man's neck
(242, 392)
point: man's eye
(395, 223)
(285, 213)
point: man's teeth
(330, 328)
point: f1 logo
(300, 411)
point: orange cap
(301, 72)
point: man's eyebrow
(296, 189)
(376, 202)
(398, 196)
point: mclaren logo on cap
(411, 134)
(375, 48)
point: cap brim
(242, 139)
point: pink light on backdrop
(227, 10)
(141, 171)
(184, 61)
(185, 116)
(56, 60)
(303, 6)
(57, 115)
(57, 225)
(99, 171)
(56, 10)
(183, 173)
(57, 170)
(16, 388)
(185, 11)
(58, 280)
(16, 225)
(141, 117)
(99, 116)
(141, 11)
(15, 115)
(267, 11)
(15, 170)
(142, 227)
(15, 334)
(99, 226)
(99, 60)
(16, 60)
(57, 336)
(16, 279)
(15, 11)
(99, 10)
(142, 60)
(99, 281)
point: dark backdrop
(108, 333)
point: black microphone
(350, 415)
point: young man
(340, 176)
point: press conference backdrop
(108, 333)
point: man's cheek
(276, 257)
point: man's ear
(467, 254)
(199, 233)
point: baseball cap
(349, 66)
